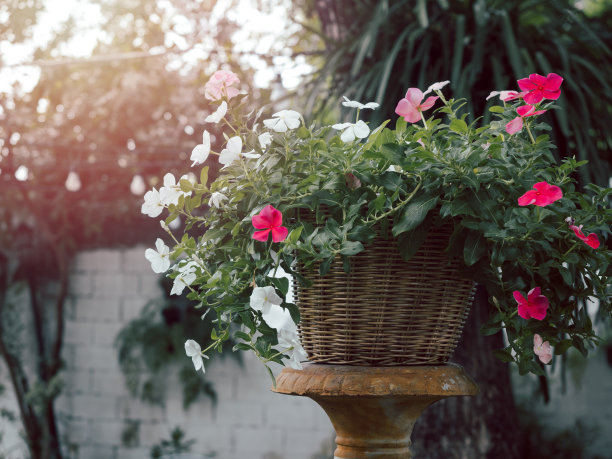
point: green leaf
(186, 185)
(281, 283)
(504, 355)
(350, 248)
(474, 247)
(496, 109)
(458, 126)
(204, 175)
(414, 213)
(563, 346)
(410, 241)
(325, 266)
(490, 329)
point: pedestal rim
(316, 380)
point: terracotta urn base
(373, 409)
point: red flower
(534, 306)
(269, 220)
(410, 107)
(591, 240)
(524, 111)
(543, 195)
(539, 87)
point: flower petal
(514, 126)
(279, 233)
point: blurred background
(100, 98)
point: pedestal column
(373, 409)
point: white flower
(231, 152)
(160, 259)
(359, 105)
(287, 334)
(171, 191)
(193, 350)
(502, 94)
(352, 131)
(263, 298)
(265, 139)
(218, 115)
(185, 277)
(215, 199)
(251, 155)
(152, 205)
(283, 120)
(436, 86)
(200, 152)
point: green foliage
(176, 444)
(385, 47)
(336, 196)
(154, 342)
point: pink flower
(534, 306)
(542, 349)
(539, 87)
(511, 95)
(411, 107)
(543, 195)
(591, 240)
(269, 220)
(524, 111)
(220, 85)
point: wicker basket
(386, 311)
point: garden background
(99, 100)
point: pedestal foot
(373, 409)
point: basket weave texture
(386, 311)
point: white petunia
(193, 350)
(171, 191)
(263, 298)
(436, 86)
(283, 121)
(160, 259)
(502, 94)
(200, 152)
(218, 115)
(185, 277)
(265, 139)
(216, 198)
(351, 131)
(359, 105)
(231, 152)
(152, 205)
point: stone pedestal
(373, 409)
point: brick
(97, 309)
(307, 444)
(133, 453)
(112, 285)
(80, 284)
(109, 383)
(94, 406)
(104, 333)
(255, 442)
(77, 431)
(98, 260)
(151, 433)
(77, 381)
(240, 414)
(296, 413)
(148, 286)
(131, 308)
(98, 357)
(97, 452)
(106, 432)
(131, 408)
(133, 260)
(78, 332)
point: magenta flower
(539, 87)
(534, 306)
(524, 111)
(220, 85)
(542, 349)
(542, 195)
(269, 220)
(411, 107)
(591, 240)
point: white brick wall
(109, 288)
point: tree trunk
(484, 426)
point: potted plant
(303, 200)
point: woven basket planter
(386, 311)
